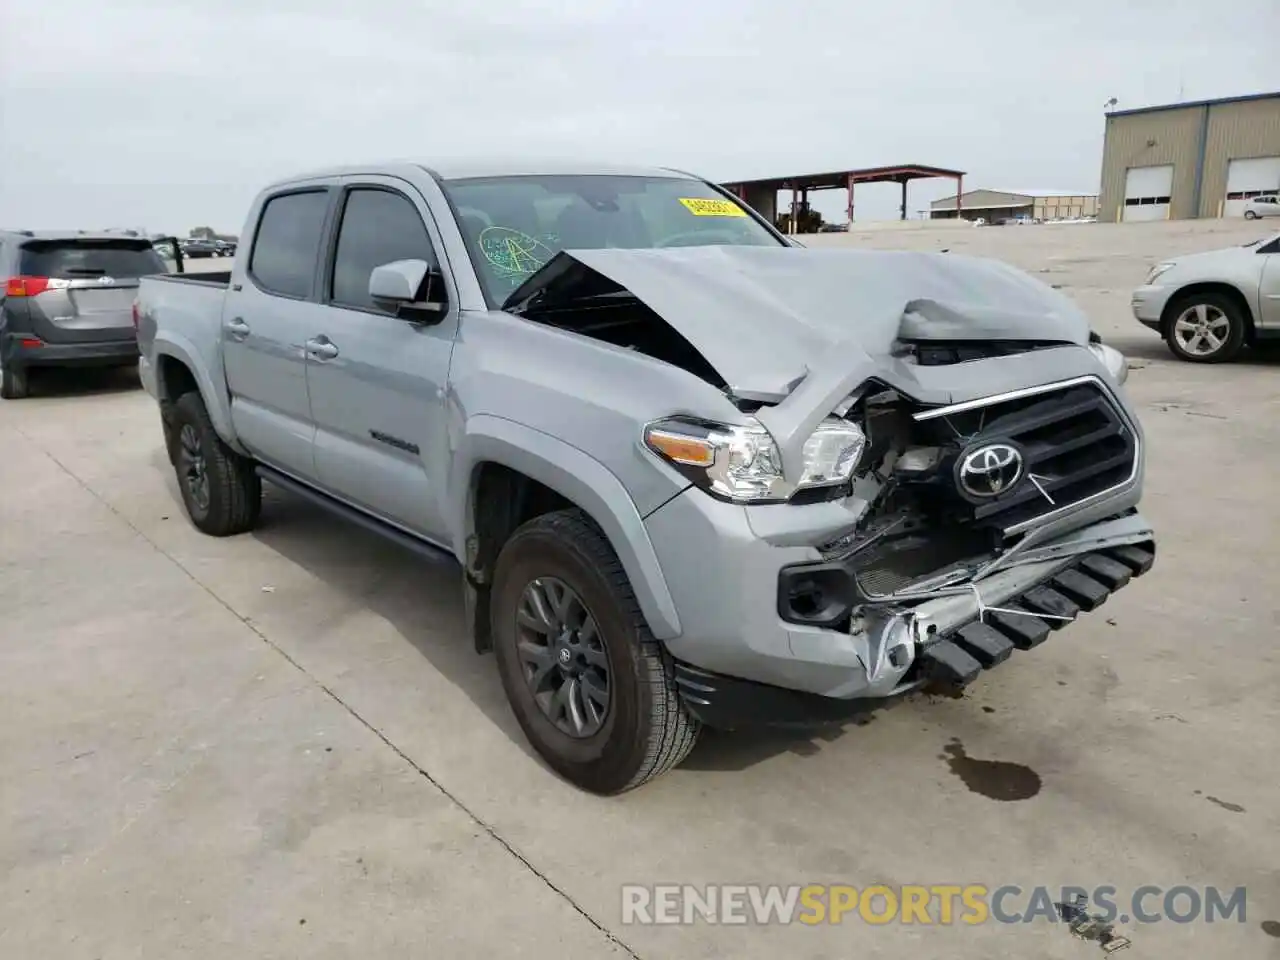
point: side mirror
(409, 289)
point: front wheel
(1205, 328)
(220, 490)
(1250, 215)
(589, 685)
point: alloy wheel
(1202, 330)
(563, 657)
(192, 468)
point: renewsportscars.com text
(942, 904)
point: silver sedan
(1209, 306)
(1259, 207)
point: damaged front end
(968, 434)
(988, 524)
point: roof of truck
(461, 168)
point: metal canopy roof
(840, 179)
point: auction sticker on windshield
(701, 207)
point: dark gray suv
(67, 300)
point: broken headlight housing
(742, 463)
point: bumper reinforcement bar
(957, 659)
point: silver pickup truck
(691, 474)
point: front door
(377, 382)
(269, 312)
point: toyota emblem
(106, 280)
(990, 470)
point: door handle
(236, 328)
(322, 348)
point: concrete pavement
(281, 744)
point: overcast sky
(168, 114)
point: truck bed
(185, 308)
(215, 278)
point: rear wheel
(220, 490)
(13, 381)
(1205, 328)
(590, 686)
(1250, 215)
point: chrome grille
(1075, 443)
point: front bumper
(1148, 303)
(741, 663)
(947, 642)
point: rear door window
(287, 245)
(378, 227)
(79, 259)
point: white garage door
(1147, 191)
(1247, 179)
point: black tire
(232, 491)
(645, 730)
(14, 384)
(1211, 306)
(1250, 215)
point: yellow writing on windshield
(712, 208)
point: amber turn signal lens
(690, 451)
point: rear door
(269, 313)
(79, 290)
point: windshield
(514, 225)
(69, 259)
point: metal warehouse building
(996, 205)
(1188, 160)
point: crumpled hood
(765, 317)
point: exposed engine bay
(591, 305)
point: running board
(428, 551)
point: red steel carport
(801, 184)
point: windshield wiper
(85, 271)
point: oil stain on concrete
(1233, 807)
(1271, 928)
(994, 779)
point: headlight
(1113, 360)
(742, 463)
(1158, 269)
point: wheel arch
(177, 366)
(505, 473)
